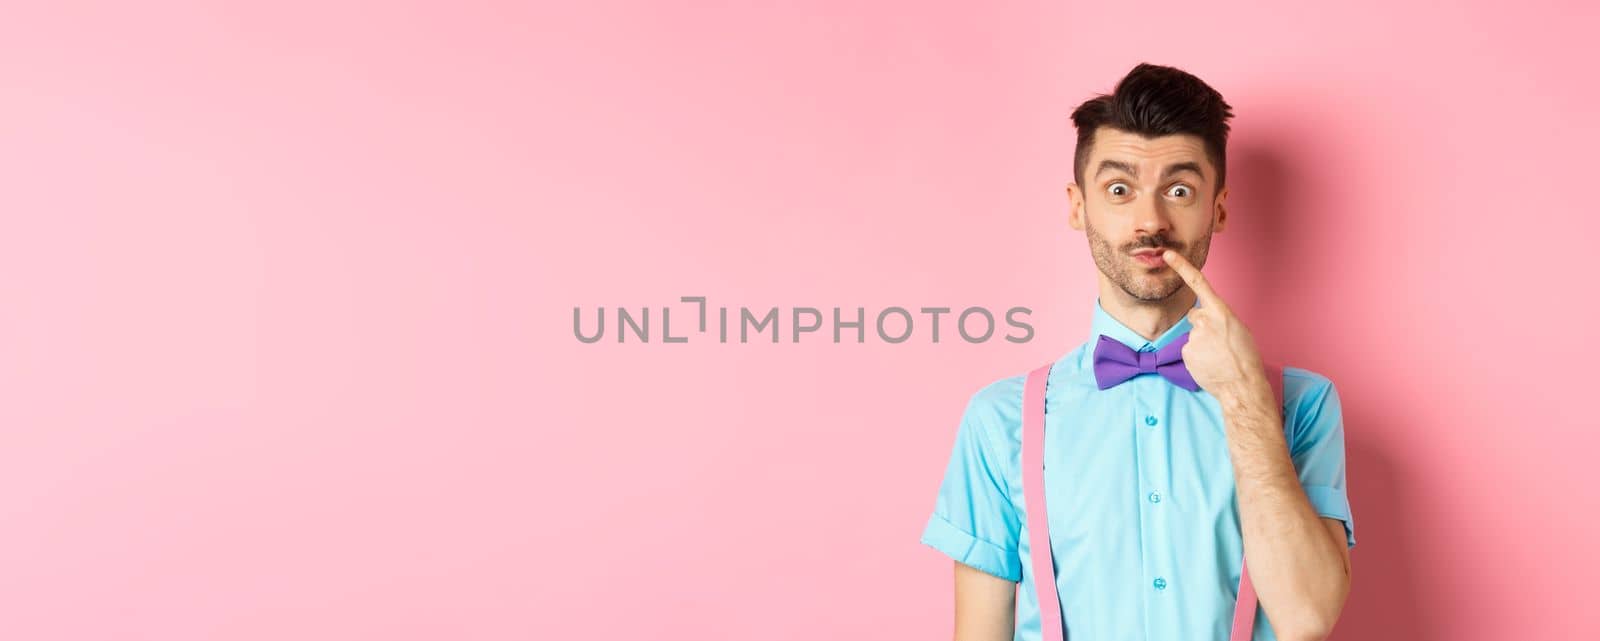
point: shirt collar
(1104, 324)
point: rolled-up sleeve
(974, 520)
(1316, 446)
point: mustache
(1153, 242)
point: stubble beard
(1137, 280)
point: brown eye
(1181, 191)
(1118, 189)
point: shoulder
(1304, 380)
(994, 411)
(1303, 387)
(1310, 399)
(995, 408)
(998, 400)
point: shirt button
(1161, 584)
(1155, 497)
(1150, 420)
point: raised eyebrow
(1131, 170)
(1177, 168)
(1124, 167)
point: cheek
(1108, 218)
(1195, 220)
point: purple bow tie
(1115, 363)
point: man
(1157, 491)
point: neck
(1149, 318)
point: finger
(1192, 276)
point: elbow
(1315, 622)
(1304, 632)
(1308, 626)
(1311, 627)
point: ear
(1075, 206)
(1221, 211)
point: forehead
(1149, 155)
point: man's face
(1143, 195)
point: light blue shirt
(1143, 515)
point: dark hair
(1153, 100)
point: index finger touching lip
(1190, 275)
(1178, 264)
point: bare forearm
(1298, 571)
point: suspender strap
(1044, 576)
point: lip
(1149, 257)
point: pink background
(287, 348)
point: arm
(1300, 569)
(975, 521)
(986, 605)
(1299, 562)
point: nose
(1150, 217)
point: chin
(1152, 289)
(1147, 295)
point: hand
(1221, 354)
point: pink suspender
(1044, 574)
